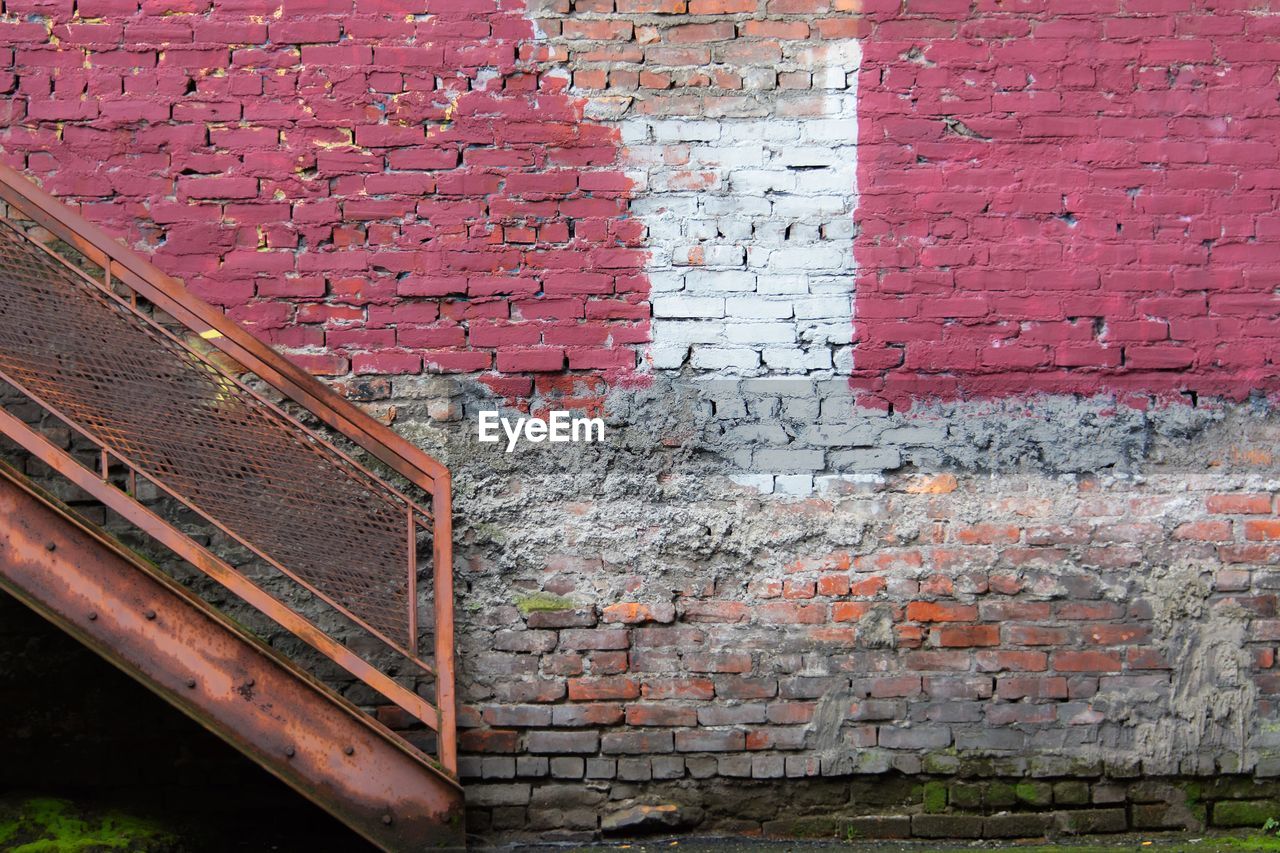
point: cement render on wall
(1012, 600)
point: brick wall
(1103, 629)
(1067, 198)
(739, 133)
(884, 304)
(375, 192)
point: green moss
(1071, 793)
(541, 602)
(1252, 813)
(1000, 794)
(1195, 801)
(1033, 793)
(941, 762)
(57, 826)
(977, 766)
(965, 796)
(1259, 843)
(935, 797)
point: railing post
(413, 583)
(442, 570)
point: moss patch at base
(541, 602)
(41, 825)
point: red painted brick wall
(1060, 198)
(375, 187)
(1068, 197)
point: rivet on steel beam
(290, 751)
(191, 682)
(150, 614)
(51, 546)
(351, 750)
(386, 818)
(93, 617)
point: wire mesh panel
(156, 402)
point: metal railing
(125, 357)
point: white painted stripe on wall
(751, 230)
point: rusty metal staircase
(168, 410)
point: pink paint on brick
(380, 188)
(1066, 199)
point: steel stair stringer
(215, 672)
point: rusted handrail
(215, 407)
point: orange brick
(833, 585)
(960, 636)
(868, 587)
(929, 611)
(831, 635)
(775, 29)
(691, 33)
(844, 28)
(1255, 504)
(580, 29)
(797, 589)
(937, 585)
(590, 79)
(798, 7)
(909, 636)
(785, 613)
(634, 613)
(727, 80)
(988, 534)
(716, 611)
(721, 7)
(848, 611)
(1261, 554)
(1204, 531)
(1262, 529)
(651, 7)
(619, 79)
(1005, 584)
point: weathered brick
(925, 611)
(694, 740)
(586, 714)
(556, 742)
(518, 716)
(636, 743)
(946, 826)
(1082, 821)
(1086, 662)
(595, 638)
(663, 714)
(968, 635)
(594, 689)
